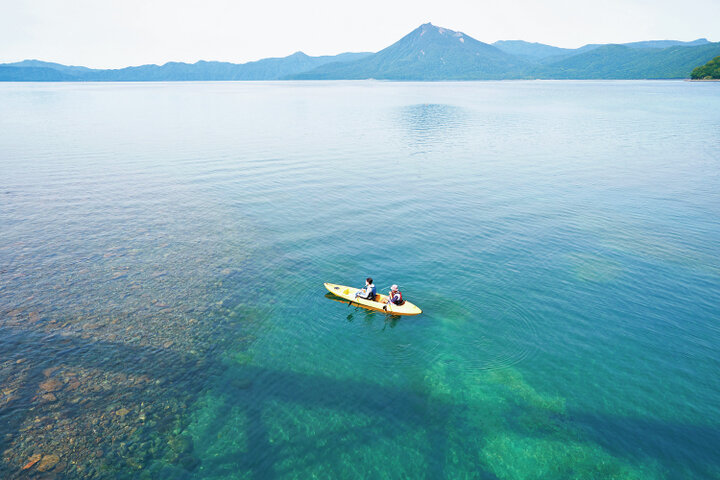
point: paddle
(385, 307)
(389, 303)
(350, 301)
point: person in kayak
(395, 296)
(368, 292)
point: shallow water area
(164, 248)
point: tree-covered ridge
(709, 71)
(622, 62)
(265, 69)
(428, 53)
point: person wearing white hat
(395, 296)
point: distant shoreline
(363, 80)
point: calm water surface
(163, 249)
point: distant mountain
(624, 62)
(540, 51)
(54, 66)
(434, 53)
(266, 69)
(709, 71)
(427, 53)
(530, 50)
(659, 43)
(33, 74)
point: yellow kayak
(348, 293)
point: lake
(164, 246)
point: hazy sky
(115, 33)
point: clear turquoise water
(164, 247)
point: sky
(118, 33)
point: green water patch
(512, 456)
(489, 331)
(452, 311)
(444, 422)
(593, 268)
(673, 248)
(299, 438)
(220, 431)
(508, 428)
(325, 442)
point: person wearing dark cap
(368, 292)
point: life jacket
(397, 293)
(372, 292)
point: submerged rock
(51, 385)
(32, 461)
(182, 443)
(73, 383)
(48, 462)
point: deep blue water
(163, 249)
